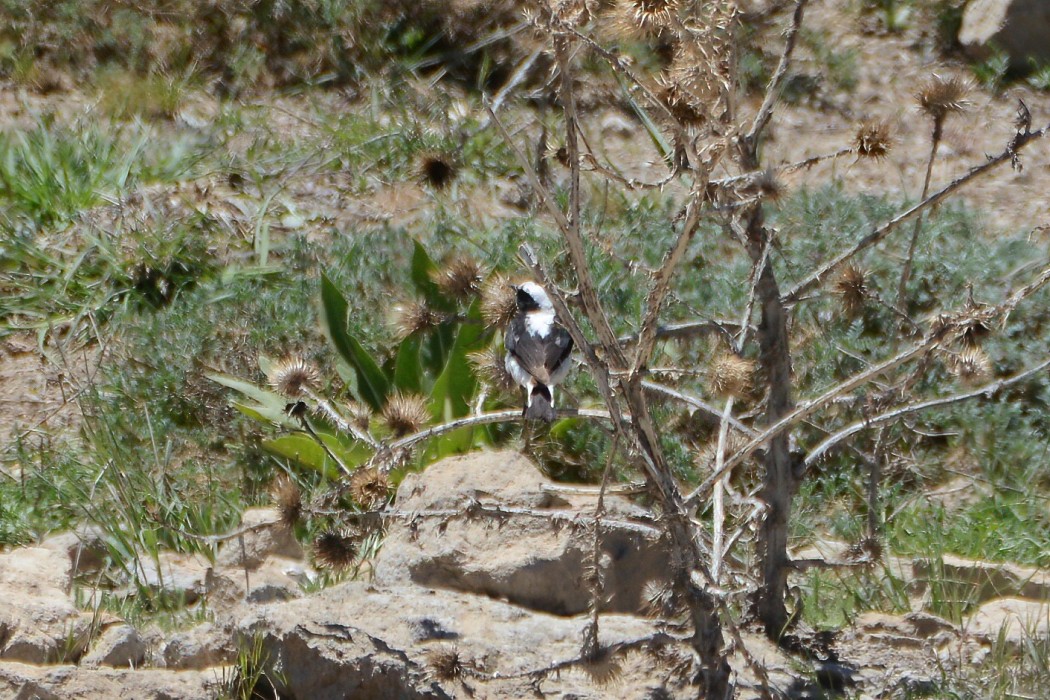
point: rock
(85, 547)
(1021, 28)
(275, 579)
(354, 640)
(266, 537)
(28, 682)
(39, 622)
(536, 560)
(896, 654)
(182, 576)
(914, 630)
(968, 582)
(119, 645)
(35, 571)
(201, 647)
(1017, 620)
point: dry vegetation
(782, 339)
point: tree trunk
(780, 482)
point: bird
(539, 350)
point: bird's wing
(538, 356)
(558, 348)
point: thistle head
(731, 375)
(873, 139)
(460, 277)
(852, 290)
(437, 170)
(292, 376)
(498, 302)
(288, 498)
(943, 96)
(405, 414)
(369, 488)
(336, 549)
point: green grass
(176, 294)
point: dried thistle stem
(986, 391)
(1008, 155)
(718, 505)
(902, 287)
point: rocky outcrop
(481, 573)
(1021, 28)
(31, 682)
(357, 640)
(38, 621)
(1016, 621)
(537, 558)
(968, 582)
(120, 645)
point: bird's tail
(541, 404)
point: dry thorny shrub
(751, 416)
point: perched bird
(538, 350)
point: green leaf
(408, 370)
(372, 384)
(303, 450)
(455, 387)
(263, 396)
(423, 269)
(262, 414)
(265, 407)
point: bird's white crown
(538, 294)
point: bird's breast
(539, 323)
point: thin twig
(817, 278)
(987, 391)
(777, 79)
(554, 516)
(718, 515)
(697, 403)
(509, 416)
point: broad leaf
(303, 450)
(372, 384)
(408, 370)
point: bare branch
(511, 416)
(951, 331)
(777, 80)
(987, 391)
(1008, 155)
(718, 516)
(694, 402)
(477, 509)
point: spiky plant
(292, 376)
(336, 550)
(414, 316)
(873, 139)
(851, 287)
(731, 375)
(459, 278)
(369, 487)
(498, 304)
(437, 170)
(288, 498)
(405, 414)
